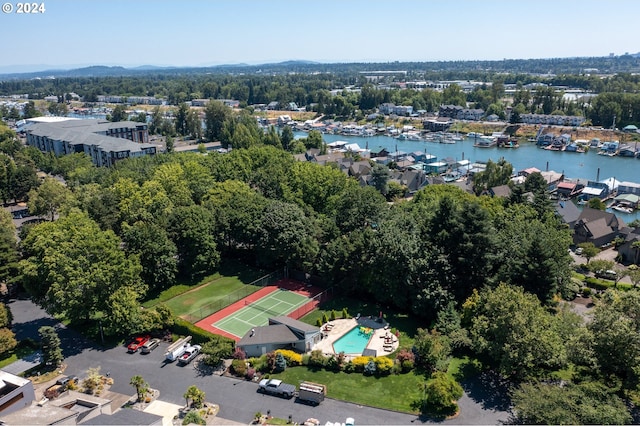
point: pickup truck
(137, 343)
(277, 387)
(61, 385)
(189, 354)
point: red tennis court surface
(291, 285)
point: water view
(584, 166)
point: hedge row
(198, 335)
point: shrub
(586, 291)
(251, 373)
(238, 353)
(324, 318)
(370, 368)
(360, 362)
(333, 315)
(441, 393)
(345, 313)
(332, 364)
(383, 364)
(271, 361)
(317, 359)
(407, 365)
(193, 417)
(239, 367)
(319, 322)
(305, 359)
(349, 367)
(293, 358)
(281, 363)
(199, 336)
(405, 355)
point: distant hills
(577, 65)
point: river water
(584, 166)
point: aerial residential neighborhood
(226, 213)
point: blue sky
(210, 32)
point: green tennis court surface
(257, 314)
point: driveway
(606, 254)
(483, 402)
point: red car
(137, 343)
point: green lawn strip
(394, 392)
(203, 295)
(18, 353)
(10, 359)
(228, 268)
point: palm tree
(195, 395)
(141, 386)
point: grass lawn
(18, 353)
(214, 291)
(394, 392)
(184, 298)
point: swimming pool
(355, 341)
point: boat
(622, 209)
(486, 142)
(473, 135)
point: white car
(189, 354)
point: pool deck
(333, 330)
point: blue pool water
(353, 342)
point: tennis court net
(256, 305)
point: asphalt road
(483, 402)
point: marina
(583, 166)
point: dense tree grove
(181, 214)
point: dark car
(150, 345)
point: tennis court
(255, 314)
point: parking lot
(238, 399)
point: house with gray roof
(281, 333)
(597, 227)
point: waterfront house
(598, 189)
(413, 180)
(439, 124)
(569, 190)
(379, 152)
(552, 178)
(629, 188)
(627, 151)
(437, 167)
(568, 212)
(597, 227)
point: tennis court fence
(312, 304)
(244, 291)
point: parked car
(579, 251)
(150, 345)
(189, 354)
(137, 343)
(65, 380)
(608, 274)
